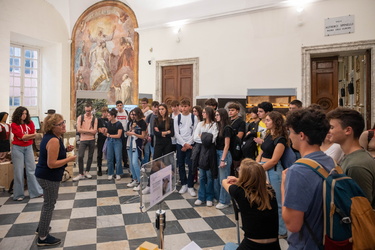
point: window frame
(33, 110)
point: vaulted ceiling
(159, 13)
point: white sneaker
(110, 177)
(198, 202)
(146, 190)
(137, 188)
(118, 177)
(183, 189)
(132, 184)
(192, 192)
(88, 175)
(79, 177)
(209, 203)
(221, 206)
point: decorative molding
(309, 52)
(184, 61)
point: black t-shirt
(138, 127)
(102, 123)
(268, 146)
(220, 140)
(255, 223)
(238, 125)
(113, 128)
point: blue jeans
(148, 152)
(275, 181)
(24, 157)
(220, 193)
(114, 151)
(230, 246)
(182, 158)
(206, 185)
(134, 162)
(81, 154)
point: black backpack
(235, 145)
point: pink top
(90, 132)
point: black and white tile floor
(100, 214)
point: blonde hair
(252, 179)
(50, 122)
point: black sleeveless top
(42, 170)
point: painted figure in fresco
(98, 58)
(124, 91)
(126, 54)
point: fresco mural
(105, 54)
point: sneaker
(37, 230)
(221, 206)
(110, 177)
(209, 203)
(88, 175)
(198, 202)
(118, 177)
(146, 190)
(132, 184)
(192, 192)
(137, 188)
(79, 177)
(183, 189)
(49, 241)
(20, 199)
(100, 173)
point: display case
(279, 97)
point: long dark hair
(224, 120)
(199, 110)
(138, 113)
(17, 114)
(166, 117)
(279, 126)
(210, 115)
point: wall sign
(339, 25)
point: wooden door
(324, 82)
(177, 83)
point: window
(24, 76)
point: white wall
(37, 23)
(254, 50)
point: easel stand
(160, 225)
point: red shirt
(19, 131)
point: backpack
(288, 158)
(92, 121)
(235, 145)
(192, 119)
(349, 220)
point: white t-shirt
(184, 131)
(123, 118)
(335, 152)
(210, 128)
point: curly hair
(252, 179)
(279, 127)
(312, 122)
(17, 114)
(138, 113)
(50, 122)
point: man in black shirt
(101, 138)
(239, 127)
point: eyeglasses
(132, 114)
(217, 114)
(60, 124)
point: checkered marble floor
(100, 214)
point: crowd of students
(272, 199)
